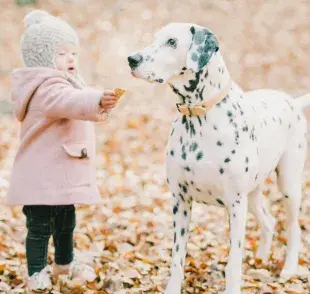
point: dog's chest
(200, 156)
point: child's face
(66, 58)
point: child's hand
(108, 100)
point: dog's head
(178, 46)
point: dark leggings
(42, 222)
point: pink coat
(55, 162)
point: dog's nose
(135, 60)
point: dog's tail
(303, 101)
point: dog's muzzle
(134, 61)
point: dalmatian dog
(223, 144)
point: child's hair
(43, 33)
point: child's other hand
(108, 100)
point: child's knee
(38, 221)
(67, 220)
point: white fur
(225, 156)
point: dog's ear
(204, 44)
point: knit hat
(43, 34)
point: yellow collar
(198, 109)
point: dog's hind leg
(259, 208)
(182, 208)
(290, 183)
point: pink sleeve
(61, 100)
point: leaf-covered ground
(128, 239)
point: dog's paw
(288, 273)
(174, 286)
(232, 291)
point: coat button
(83, 153)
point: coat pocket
(78, 166)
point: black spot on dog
(176, 91)
(182, 197)
(200, 92)
(187, 168)
(184, 155)
(245, 129)
(221, 170)
(219, 143)
(182, 232)
(193, 146)
(193, 83)
(199, 120)
(192, 128)
(172, 152)
(220, 201)
(227, 159)
(175, 209)
(185, 122)
(233, 151)
(199, 155)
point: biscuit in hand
(119, 92)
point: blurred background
(266, 44)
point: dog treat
(119, 92)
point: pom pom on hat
(35, 17)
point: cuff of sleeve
(93, 105)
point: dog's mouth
(149, 78)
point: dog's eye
(172, 42)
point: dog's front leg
(237, 216)
(182, 207)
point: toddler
(54, 166)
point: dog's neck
(202, 86)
